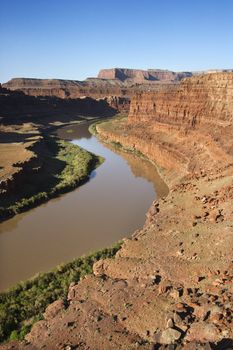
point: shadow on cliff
(17, 107)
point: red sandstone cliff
(186, 121)
(15, 105)
(120, 82)
(142, 76)
(205, 99)
(110, 82)
(170, 285)
(95, 88)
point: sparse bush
(24, 304)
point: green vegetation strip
(109, 124)
(65, 166)
(23, 305)
(92, 127)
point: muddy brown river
(110, 206)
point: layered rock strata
(200, 101)
(15, 106)
(142, 76)
(118, 82)
(170, 285)
(95, 88)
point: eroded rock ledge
(170, 285)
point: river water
(110, 206)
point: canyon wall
(15, 105)
(72, 89)
(184, 128)
(154, 93)
(142, 76)
(120, 82)
(91, 87)
(200, 100)
(170, 284)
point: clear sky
(74, 39)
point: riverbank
(52, 167)
(189, 231)
(23, 305)
(138, 168)
(170, 285)
(109, 132)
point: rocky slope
(170, 285)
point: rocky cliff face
(170, 285)
(201, 100)
(187, 127)
(186, 121)
(142, 76)
(111, 91)
(117, 82)
(121, 104)
(15, 105)
(72, 89)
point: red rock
(170, 323)
(169, 336)
(197, 346)
(141, 76)
(203, 332)
(53, 309)
(98, 268)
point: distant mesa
(142, 76)
(120, 82)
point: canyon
(170, 284)
(121, 82)
(16, 107)
(116, 82)
(142, 76)
(24, 145)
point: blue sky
(74, 39)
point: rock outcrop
(170, 285)
(113, 92)
(95, 88)
(202, 100)
(142, 76)
(118, 82)
(115, 82)
(121, 104)
(16, 105)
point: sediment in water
(176, 273)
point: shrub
(25, 303)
